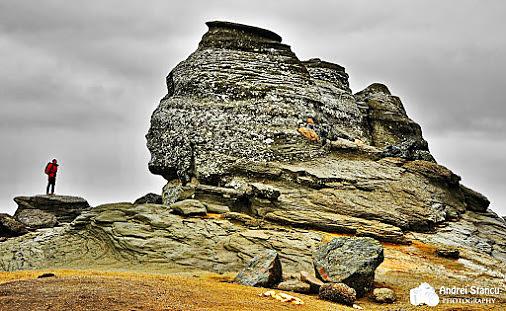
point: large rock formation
(228, 127)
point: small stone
(452, 253)
(383, 295)
(294, 285)
(189, 208)
(338, 292)
(46, 275)
(264, 270)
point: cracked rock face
(242, 95)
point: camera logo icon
(423, 294)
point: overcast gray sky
(79, 80)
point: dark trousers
(51, 182)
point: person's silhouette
(51, 169)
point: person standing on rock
(51, 169)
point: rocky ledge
(43, 211)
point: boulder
(36, 218)
(264, 270)
(338, 292)
(352, 261)
(383, 295)
(151, 198)
(10, 227)
(35, 211)
(189, 208)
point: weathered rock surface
(150, 198)
(10, 227)
(480, 232)
(264, 270)
(36, 218)
(151, 237)
(475, 201)
(338, 292)
(352, 261)
(189, 208)
(42, 211)
(226, 134)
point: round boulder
(351, 261)
(338, 292)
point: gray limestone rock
(352, 261)
(475, 201)
(264, 270)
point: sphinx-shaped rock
(242, 96)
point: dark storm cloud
(80, 79)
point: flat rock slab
(351, 261)
(189, 208)
(264, 270)
(36, 211)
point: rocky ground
(92, 290)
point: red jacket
(51, 169)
